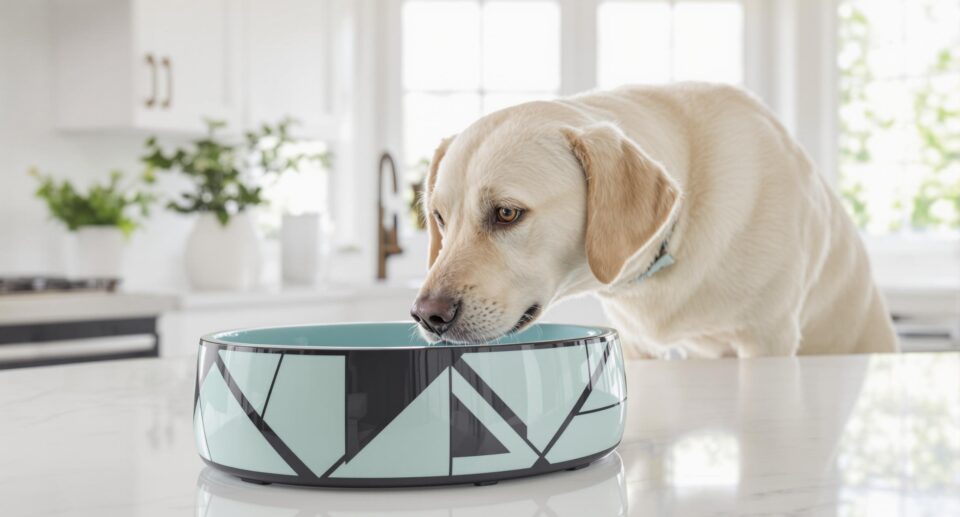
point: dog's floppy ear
(428, 183)
(630, 197)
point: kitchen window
(665, 41)
(497, 53)
(464, 59)
(899, 64)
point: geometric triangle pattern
(199, 435)
(588, 432)
(414, 444)
(610, 387)
(373, 397)
(206, 358)
(231, 437)
(468, 435)
(518, 454)
(312, 427)
(541, 386)
(253, 373)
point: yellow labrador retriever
(688, 209)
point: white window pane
(428, 118)
(521, 46)
(882, 193)
(899, 88)
(496, 101)
(887, 144)
(633, 43)
(708, 41)
(441, 45)
(885, 21)
(929, 29)
(886, 62)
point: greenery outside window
(899, 141)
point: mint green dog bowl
(372, 405)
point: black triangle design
(372, 397)
(468, 436)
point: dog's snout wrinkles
(435, 313)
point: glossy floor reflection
(841, 436)
(599, 491)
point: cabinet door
(187, 63)
(287, 63)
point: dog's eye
(439, 218)
(507, 215)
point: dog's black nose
(435, 313)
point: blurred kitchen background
(170, 168)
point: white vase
(223, 257)
(99, 252)
(302, 249)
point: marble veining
(830, 436)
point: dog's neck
(648, 262)
(662, 260)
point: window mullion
(481, 87)
(578, 45)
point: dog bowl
(373, 405)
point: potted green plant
(223, 250)
(101, 217)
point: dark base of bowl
(492, 478)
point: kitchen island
(832, 435)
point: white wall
(29, 242)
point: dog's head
(521, 209)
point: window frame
(578, 52)
(482, 92)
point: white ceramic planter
(223, 257)
(99, 252)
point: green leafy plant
(227, 177)
(110, 204)
(937, 114)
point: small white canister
(303, 248)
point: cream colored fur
(767, 261)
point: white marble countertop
(70, 306)
(905, 298)
(17, 309)
(852, 435)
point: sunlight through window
(664, 41)
(899, 65)
(463, 59)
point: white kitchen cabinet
(157, 65)
(287, 64)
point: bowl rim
(604, 334)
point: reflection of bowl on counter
(371, 405)
(599, 491)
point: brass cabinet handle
(152, 99)
(168, 69)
